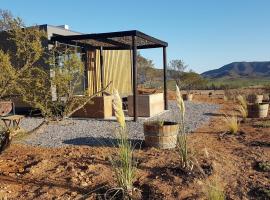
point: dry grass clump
(243, 112)
(214, 191)
(232, 124)
(242, 106)
(263, 124)
(123, 164)
(182, 146)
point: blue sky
(206, 34)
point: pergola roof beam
(115, 43)
(143, 41)
(152, 39)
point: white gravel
(97, 132)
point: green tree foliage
(176, 69)
(20, 60)
(191, 81)
(185, 80)
(23, 71)
(145, 68)
(67, 74)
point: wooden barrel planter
(161, 136)
(255, 98)
(258, 110)
(187, 97)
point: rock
(73, 194)
(12, 174)
(21, 170)
(84, 184)
(82, 173)
(60, 169)
(74, 180)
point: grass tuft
(232, 124)
(242, 106)
(182, 145)
(123, 164)
(263, 124)
(214, 191)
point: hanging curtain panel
(117, 69)
(93, 77)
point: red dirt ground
(28, 172)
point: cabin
(109, 58)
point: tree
(191, 81)
(145, 67)
(176, 70)
(23, 71)
(185, 80)
(22, 56)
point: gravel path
(96, 132)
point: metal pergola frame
(123, 40)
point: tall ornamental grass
(182, 146)
(242, 106)
(232, 124)
(123, 164)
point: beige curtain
(117, 68)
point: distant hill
(240, 70)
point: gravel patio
(102, 132)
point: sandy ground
(28, 172)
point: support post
(85, 60)
(101, 68)
(165, 78)
(134, 65)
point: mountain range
(240, 70)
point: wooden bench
(12, 120)
(7, 115)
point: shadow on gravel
(100, 142)
(214, 114)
